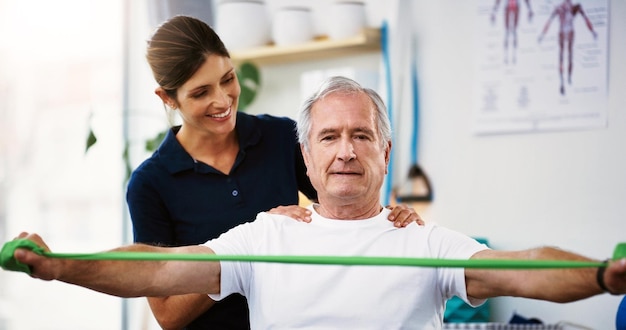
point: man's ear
(167, 100)
(387, 157)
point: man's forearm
(116, 277)
(126, 278)
(558, 285)
(175, 312)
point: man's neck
(356, 211)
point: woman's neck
(217, 150)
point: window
(61, 75)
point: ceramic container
(347, 19)
(292, 25)
(242, 24)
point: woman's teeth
(221, 115)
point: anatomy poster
(541, 65)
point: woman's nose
(221, 99)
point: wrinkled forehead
(343, 109)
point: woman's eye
(228, 79)
(199, 95)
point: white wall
(562, 188)
(519, 190)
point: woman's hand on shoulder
(295, 212)
(401, 215)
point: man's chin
(345, 191)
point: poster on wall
(540, 65)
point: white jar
(347, 19)
(242, 24)
(292, 25)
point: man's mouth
(345, 173)
(221, 115)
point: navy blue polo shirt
(175, 201)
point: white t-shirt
(297, 296)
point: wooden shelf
(320, 48)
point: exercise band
(8, 262)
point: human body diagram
(566, 12)
(511, 18)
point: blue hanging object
(414, 92)
(387, 65)
(415, 171)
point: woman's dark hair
(178, 48)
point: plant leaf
(153, 144)
(249, 79)
(91, 140)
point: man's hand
(40, 266)
(615, 276)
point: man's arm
(557, 285)
(127, 278)
(175, 312)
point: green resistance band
(8, 262)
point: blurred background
(74, 68)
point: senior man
(346, 143)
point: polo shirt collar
(175, 159)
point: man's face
(346, 161)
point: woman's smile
(222, 114)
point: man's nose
(346, 150)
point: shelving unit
(320, 48)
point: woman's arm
(149, 216)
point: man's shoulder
(266, 218)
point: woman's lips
(222, 115)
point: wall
(519, 190)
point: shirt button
(235, 193)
